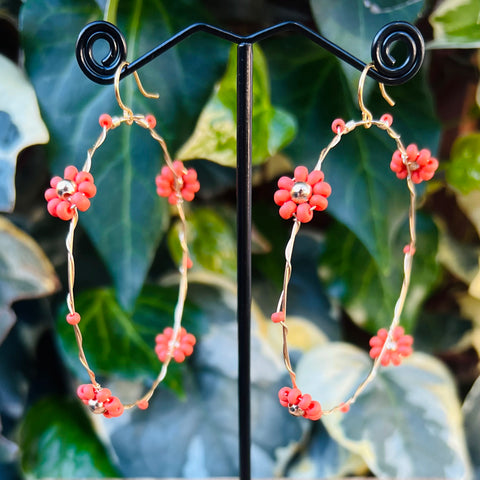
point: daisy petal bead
(283, 396)
(420, 163)
(314, 411)
(86, 392)
(300, 173)
(299, 196)
(278, 317)
(398, 347)
(72, 191)
(178, 348)
(168, 180)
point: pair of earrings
(71, 194)
(298, 198)
(306, 192)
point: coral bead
(278, 317)
(104, 395)
(64, 210)
(338, 125)
(105, 120)
(151, 120)
(73, 318)
(142, 404)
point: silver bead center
(95, 406)
(295, 410)
(301, 192)
(65, 188)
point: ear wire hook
(366, 114)
(127, 112)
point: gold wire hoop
(366, 122)
(129, 118)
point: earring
(298, 198)
(71, 194)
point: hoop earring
(298, 198)
(71, 194)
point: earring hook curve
(127, 112)
(366, 114)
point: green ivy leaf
(369, 293)
(211, 242)
(472, 420)
(463, 171)
(325, 458)
(353, 24)
(127, 218)
(25, 272)
(57, 441)
(120, 343)
(406, 424)
(455, 24)
(20, 126)
(215, 135)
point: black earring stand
(386, 71)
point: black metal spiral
(388, 66)
(102, 71)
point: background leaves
(347, 261)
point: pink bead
(64, 210)
(315, 176)
(73, 318)
(151, 120)
(338, 125)
(52, 206)
(86, 392)
(300, 174)
(142, 404)
(304, 401)
(287, 209)
(304, 212)
(80, 201)
(54, 181)
(70, 173)
(105, 120)
(387, 118)
(104, 395)
(87, 188)
(319, 202)
(285, 183)
(293, 396)
(281, 196)
(278, 317)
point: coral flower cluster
(100, 400)
(303, 194)
(180, 181)
(298, 404)
(178, 348)
(420, 163)
(398, 347)
(72, 191)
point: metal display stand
(386, 71)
